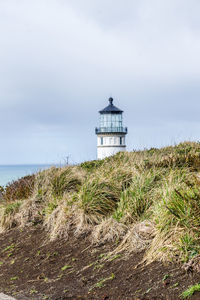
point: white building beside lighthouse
(111, 133)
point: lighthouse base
(105, 151)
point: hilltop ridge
(136, 214)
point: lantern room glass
(111, 121)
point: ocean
(12, 172)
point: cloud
(60, 61)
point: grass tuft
(99, 197)
(190, 291)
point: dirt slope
(72, 269)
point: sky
(60, 61)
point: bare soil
(32, 268)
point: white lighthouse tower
(111, 133)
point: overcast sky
(60, 61)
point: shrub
(19, 189)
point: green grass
(102, 282)
(66, 267)
(9, 248)
(138, 197)
(190, 291)
(66, 181)
(12, 208)
(114, 257)
(99, 197)
(14, 278)
(91, 166)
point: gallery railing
(111, 130)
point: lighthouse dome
(111, 109)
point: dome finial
(111, 100)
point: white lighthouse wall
(103, 152)
(110, 145)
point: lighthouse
(111, 133)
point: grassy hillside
(143, 200)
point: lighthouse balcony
(111, 130)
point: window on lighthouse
(120, 140)
(101, 141)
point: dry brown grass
(109, 230)
(117, 199)
(138, 238)
(19, 189)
